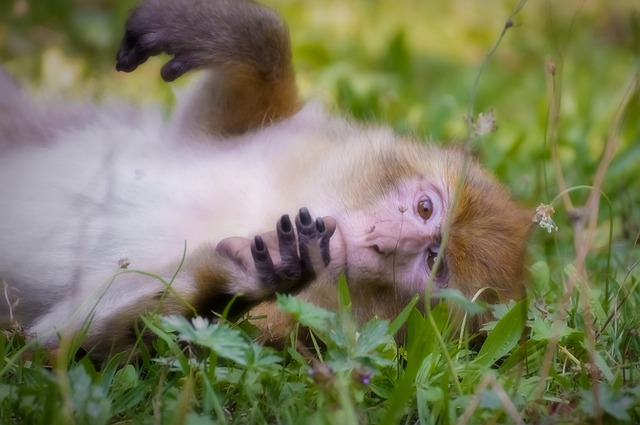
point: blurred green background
(410, 64)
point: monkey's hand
(301, 260)
(288, 259)
(204, 33)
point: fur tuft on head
(488, 239)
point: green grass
(563, 86)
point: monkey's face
(395, 241)
(459, 211)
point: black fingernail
(305, 217)
(320, 225)
(259, 243)
(173, 69)
(285, 224)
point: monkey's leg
(243, 45)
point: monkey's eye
(425, 208)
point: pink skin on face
(396, 245)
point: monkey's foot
(151, 30)
(201, 33)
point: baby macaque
(244, 193)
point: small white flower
(543, 217)
(200, 322)
(485, 124)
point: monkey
(246, 191)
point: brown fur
(244, 99)
(485, 243)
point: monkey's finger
(289, 270)
(127, 59)
(263, 263)
(325, 255)
(175, 68)
(238, 250)
(329, 228)
(305, 224)
(313, 245)
(135, 49)
(307, 238)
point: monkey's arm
(243, 45)
(285, 260)
(236, 275)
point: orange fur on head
(488, 239)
